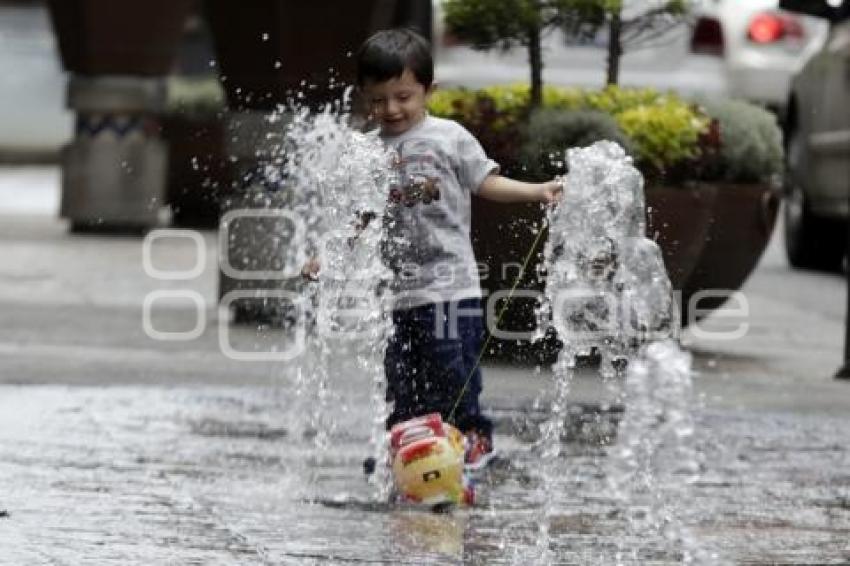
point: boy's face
(397, 104)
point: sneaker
(479, 451)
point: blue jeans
(431, 364)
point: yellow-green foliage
(563, 98)
(195, 96)
(510, 99)
(451, 103)
(514, 98)
(664, 133)
(615, 100)
(664, 128)
(509, 105)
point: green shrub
(665, 134)
(615, 100)
(195, 97)
(662, 130)
(511, 99)
(454, 104)
(750, 144)
(471, 107)
(671, 139)
(515, 98)
(551, 131)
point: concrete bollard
(114, 169)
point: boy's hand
(551, 192)
(502, 189)
(310, 269)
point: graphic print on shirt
(417, 206)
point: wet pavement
(118, 448)
(222, 476)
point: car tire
(811, 241)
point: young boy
(431, 361)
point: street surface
(119, 448)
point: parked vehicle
(740, 48)
(817, 135)
(32, 85)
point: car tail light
(708, 37)
(770, 27)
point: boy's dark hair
(388, 53)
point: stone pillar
(113, 171)
(118, 54)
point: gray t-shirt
(427, 221)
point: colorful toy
(428, 462)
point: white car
(32, 84)
(817, 137)
(742, 48)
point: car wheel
(811, 242)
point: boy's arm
(502, 189)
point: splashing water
(606, 286)
(653, 462)
(607, 292)
(338, 178)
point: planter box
(711, 236)
(679, 219)
(270, 49)
(742, 221)
(199, 171)
(105, 37)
